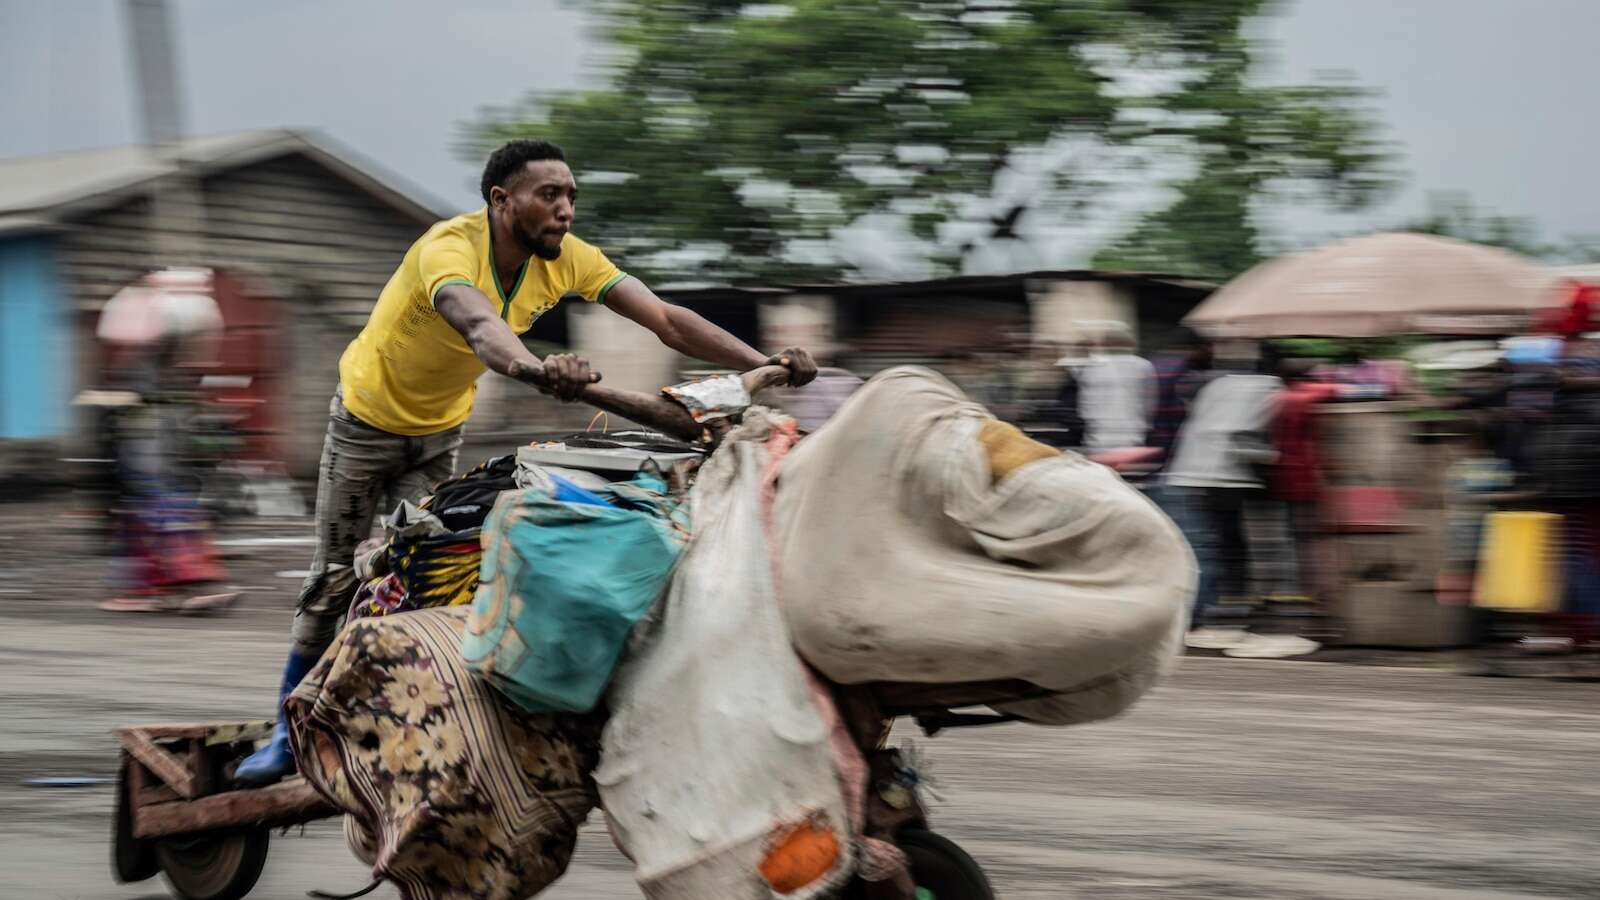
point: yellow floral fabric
(440, 572)
(450, 791)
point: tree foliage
(1255, 144)
(731, 141)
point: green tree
(731, 140)
(1301, 143)
(1251, 142)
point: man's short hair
(511, 157)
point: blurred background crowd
(1246, 251)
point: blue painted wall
(36, 372)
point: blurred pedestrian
(1058, 421)
(1566, 473)
(1474, 485)
(1116, 392)
(1297, 474)
(453, 310)
(157, 335)
(1480, 394)
(1530, 395)
(1180, 372)
(1217, 479)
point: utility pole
(177, 213)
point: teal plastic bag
(561, 587)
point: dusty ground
(1236, 779)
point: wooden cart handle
(663, 415)
(758, 380)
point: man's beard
(535, 246)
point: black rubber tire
(221, 865)
(132, 859)
(941, 866)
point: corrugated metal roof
(25, 223)
(54, 186)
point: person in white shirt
(1216, 485)
(1116, 393)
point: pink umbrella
(168, 303)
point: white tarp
(899, 560)
(713, 743)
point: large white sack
(898, 559)
(713, 742)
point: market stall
(1382, 512)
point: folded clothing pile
(431, 552)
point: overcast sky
(1493, 97)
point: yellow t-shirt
(408, 371)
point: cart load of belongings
(452, 786)
(980, 555)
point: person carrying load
(452, 310)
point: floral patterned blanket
(451, 792)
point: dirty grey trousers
(361, 467)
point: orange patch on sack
(1008, 449)
(800, 854)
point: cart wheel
(213, 865)
(132, 859)
(942, 867)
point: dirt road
(1275, 780)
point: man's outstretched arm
(687, 332)
(470, 312)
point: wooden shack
(315, 231)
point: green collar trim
(505, 296)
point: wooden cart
(177, 814)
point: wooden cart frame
(177, 814)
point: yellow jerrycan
(1519, 565)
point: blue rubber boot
(275, 761)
